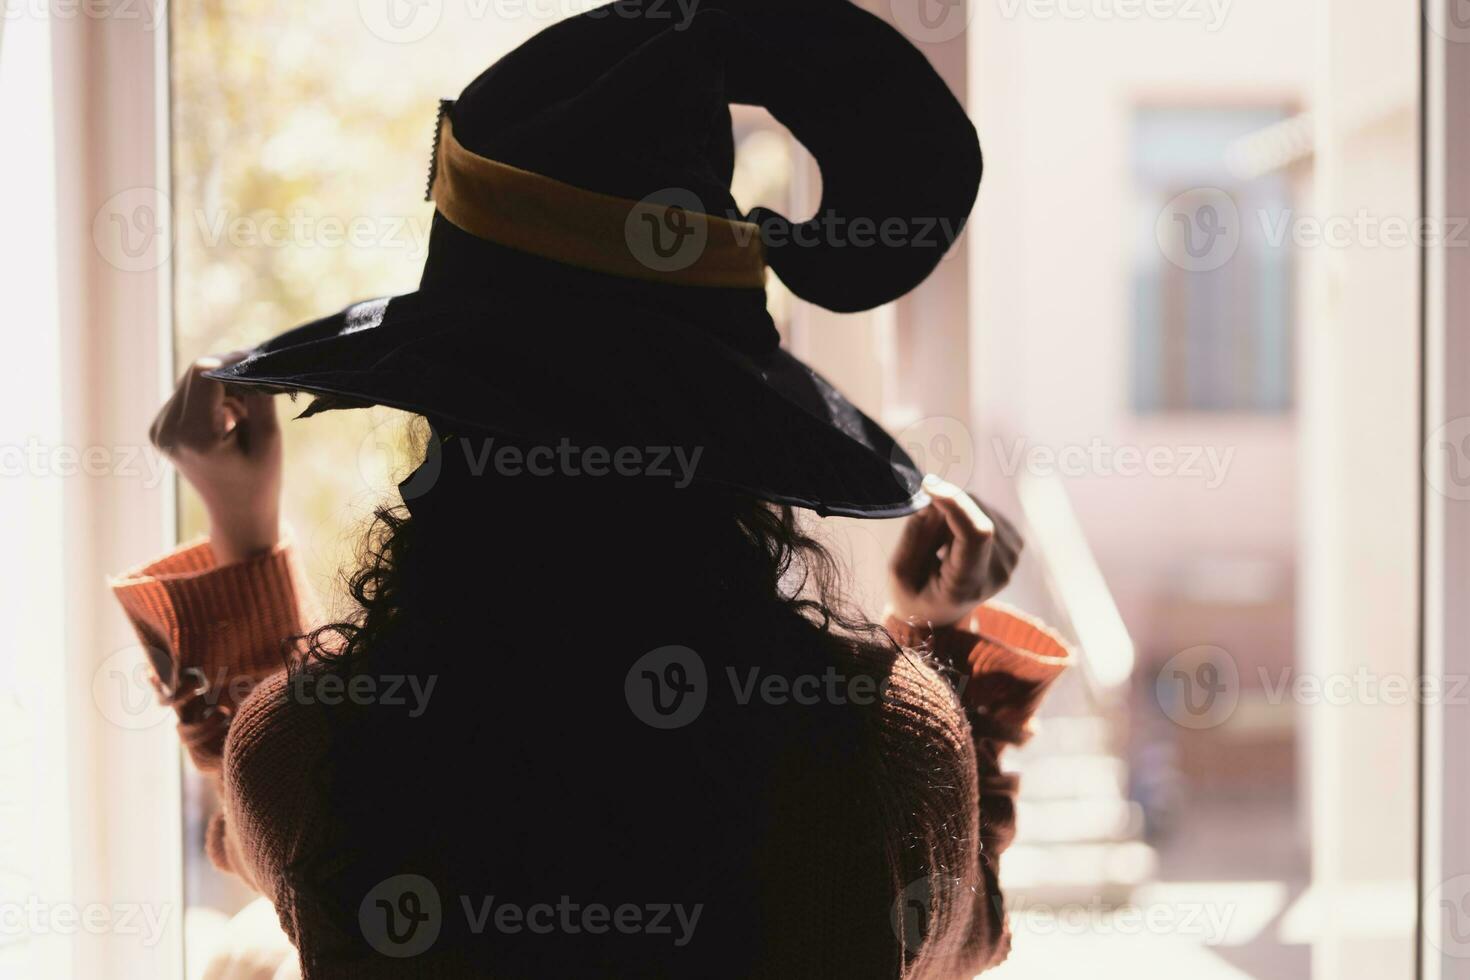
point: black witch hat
(590, 277)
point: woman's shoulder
(922, 765)
(269, 724)
(916, 714)
(889, 792)
(272, 789)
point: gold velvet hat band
(533, 213)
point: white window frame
(1445, 791)
(85, 103)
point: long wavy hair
(769, 560)
(524, 601)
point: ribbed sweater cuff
(1007, 660)
(213, 631)
(213, 617)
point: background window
(1213, 307)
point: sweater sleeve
(1004, 663)
(213, 633)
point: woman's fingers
(1008, 538)
(255, 419)
(200, 414)
(1006, 548)
(203, 419)
(971, 530)
(188, 418)
(950, 556)
(919, 542)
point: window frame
(117, 838)
(120, 833)
(1445, 526)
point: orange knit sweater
(215, 636)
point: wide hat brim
(630, 377)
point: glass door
(1180, 342)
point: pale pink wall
(1050, 242)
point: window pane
(1196, 295)
(1213, 306)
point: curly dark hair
(526, 600)
(766, 559)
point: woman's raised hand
(226, 442)
(949, 558)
